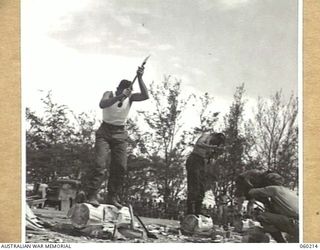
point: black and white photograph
(161, 121)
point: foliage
(231, 163)
(275, 136)
(54, 146)
(166, 144)
(208, 118)
(61, 143)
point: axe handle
(149, 234)
(130, 87)
(132, 217)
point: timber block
(84, 214)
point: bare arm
(203, 142)
(108, 99)
(143, 95)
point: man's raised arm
(143, 95)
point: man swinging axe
(112, 137)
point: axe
(134, 79)
(149, 234)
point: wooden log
(131, 233)
(85, 214)
(93, 231)
(32, 221)
(255, 235)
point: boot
(112, 200)
(93, 199)
(198, 207)
(191, 207)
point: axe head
(145, 60)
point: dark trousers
(196, 183)
(111, 150)
(276, 223)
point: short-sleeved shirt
(283, 200)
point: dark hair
(274, 179)
(217, 139)
(123, 84)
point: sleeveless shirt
(115, 115)
(199, 149)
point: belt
(108, 125)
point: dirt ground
(167, 231)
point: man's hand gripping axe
(134, 79)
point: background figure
(255, 179)
(206, 147)
(111, 138)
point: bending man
(206, 147)
(282, 214)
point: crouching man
(282, 214)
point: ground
(166, 231)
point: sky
(81, 48)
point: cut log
(85, 214)
(32, 221)
(128, 231)
(197, 225)
(131, 233)
(255, 235)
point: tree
(166, 146)
(55, 146)
(139, 178)
(231, 163)
(46, 150)
(207, 117)
(275, 137)
(83, 141)
(140, 175)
